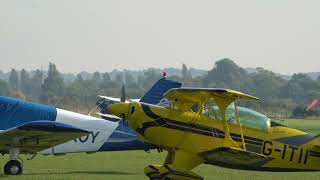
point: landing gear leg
(166, 172)
(152, 171)
(13, 167)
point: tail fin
(155, 94)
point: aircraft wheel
(13, 167)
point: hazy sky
(280, 35)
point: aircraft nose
(119, 109)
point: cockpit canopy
(248, 117)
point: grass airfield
(129, 165)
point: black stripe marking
(306, 157)
(194, 128)
(210, 133)
(284, 151)
(146, 109)
(297, 140)
(275, 124)
(209, 129)
(314, 153)
(300, 155)
(145, 126)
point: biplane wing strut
(185, 98)
(222, 105)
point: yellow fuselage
(289, 149)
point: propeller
(123, 94)
(123, 99)
(109, 117)
(105, 101)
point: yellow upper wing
(198, 95)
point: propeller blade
(123, 120)
(123, 94)
(109, 117)
(109, 98)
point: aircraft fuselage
(287, 149)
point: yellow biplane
(204, 125)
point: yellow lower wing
(235, 158)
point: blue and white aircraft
(31, 128)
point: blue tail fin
(155, 94)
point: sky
(101, 35)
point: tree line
(280, 97)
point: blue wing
(35, 136)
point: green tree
(106, 77)
(79, 79)
(36, 84)
(96, 76)
(266, 85)
(78, 92)
(108, 86)
(133, 90)
(14, 80)
(150, 76)
(184, 72)
(53, 86)
(129, 80)
(186, 76)
(119, 77)
(96, 80)
(301, 88)
(25, 82)
(3, 88)
(299, 112)
(227, 74)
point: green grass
(129, 165)
(311, 126)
